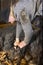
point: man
(25, 11)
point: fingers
(16, 44)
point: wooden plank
(7, 25)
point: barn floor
(6, 53)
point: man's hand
(22, 44)
(11, 19)
(19, 44)
(16, 43)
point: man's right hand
(16, 42)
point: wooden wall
(6, 3)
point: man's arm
(18, 31)
(26, 25)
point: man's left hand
(22, 44)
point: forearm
(28, 31)
(28, 37)
(18, 30)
